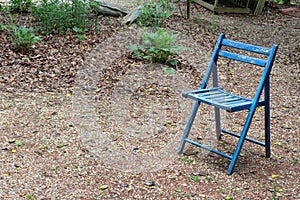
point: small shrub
(155, 12)
(20, 6)
(157, 47)
(21, 37)
(56, 16)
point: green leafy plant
(157, 47)
(79, 32)
(294, 161)
(21, 37)
(187, 159)
(59, 16)
(30, 197)
(54, 168)
(80, 37)
(20, 6)
(18, 143)
(154, 13)
(3, 27)
(228, 197)
(195, 178)
(178, 190)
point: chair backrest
(231, 49)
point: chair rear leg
(267, 131)
(218, 122)
(267, 119)
(188, 127)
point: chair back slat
(242, 58)
(247, 47)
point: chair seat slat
(228, 100)
(212, 93)
(223, 100)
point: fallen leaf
(103, 187)
(7, 174)
(274, 176)
(11, 140)
(280, 157)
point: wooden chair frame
(221, 99)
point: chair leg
(267, 133)
(188, 127)
(238, 150)
(218, 122)
(241, 140)
(267, 119)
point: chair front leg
(241, 140)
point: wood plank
(243, 58)
(247, 47)
(232, 10)
(205, 4)
(218, 9)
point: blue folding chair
(222, 99)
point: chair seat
(221, 99)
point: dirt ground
(70, 130)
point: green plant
(30, 197)
(157, 47)
(222, 190)
(195, 178)
(3, 27)
(53, 168)
(18, 143)
(21, 37)
(228, 197)
(207, 177)
(79, 31)
(187, 159)
(59, 16)
(80, 37)
(153, 13)
(13, 17)
(20, 6)
(178, 190)
(294, 160)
